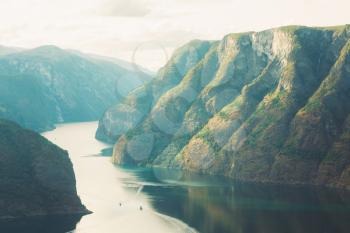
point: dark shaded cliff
(36, 176)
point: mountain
(37, 177)
(49, 85)
(136, 106)
(270, 106)
(9, 50)
(126, 65)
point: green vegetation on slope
(271, 107)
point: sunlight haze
(154, 28)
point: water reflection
(51, 224)
(102, 187)
(174, 201)
(213, 205)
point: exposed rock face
(127, 114)
(267, 106)
(36, 176)
(48, 85)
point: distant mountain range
(270, 106)
(47, 85)
(8, 50)
(126, 65)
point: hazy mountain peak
(4, 50)
(124, 64)
(48, 85)
(48, 48)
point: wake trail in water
(139, 190)
(177, 224)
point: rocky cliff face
(36, 177)
(265, 106)
(130, 112)
(48, 85)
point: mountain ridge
(68, 87)
(242, 111)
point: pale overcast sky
(151, 29)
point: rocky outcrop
(36, 176)
(265, 106)
(48, 85)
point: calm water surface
(173, 201)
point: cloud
(118, 27)
(175, 38)
(131, 8)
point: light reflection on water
(176, 201)
(214, 204)
(103, 190)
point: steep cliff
(267, 106)
(127, 114)
(36, 176)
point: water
(105, 189)
(174, 201)
(212, 205)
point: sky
(147, 31)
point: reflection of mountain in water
(51, 224)
(216, 205)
